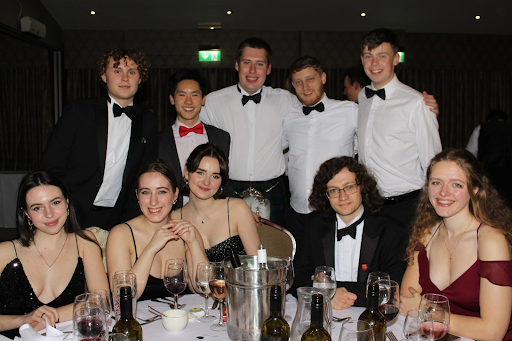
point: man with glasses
(347, 232)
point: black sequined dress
(18, 298)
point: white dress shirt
(473, 141)
(118, 144)
(256, 152)
(186, 144)
(314, 139)
(397, 138)
(347, 251)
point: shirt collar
(341, 223)
(390, 87)
(243, 92)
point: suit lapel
(137, 143)
(173, 153)
(368, 247)
(329, 238)
(101, 113)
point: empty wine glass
(392, 306)
(439, 307)
(92, 302)
(417, 326)
(107, 307)
(89, 325)
(175, 277)
(203, 277)
(356, 331)
(218, 289)
(383, 280)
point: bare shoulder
(492, 244)
(123, 230)
(238, 204)
(7, 253)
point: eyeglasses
(334, 193)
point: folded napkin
(29, 334)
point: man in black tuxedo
(346, 232)
(99, 144)
(187, 92)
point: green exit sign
(209, 56)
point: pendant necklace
(50, 265)
(451, 253)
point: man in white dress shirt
(253, 115)
(397, 134)
(316, 129)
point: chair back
(278, 241)
(101, 236)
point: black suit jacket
(168, 152)
(382, 249)
(77, 149)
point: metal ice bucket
(248, 295)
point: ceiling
(434, 16)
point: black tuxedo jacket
(168, 152)
(382, 249)
(77, 149)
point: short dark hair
(255, 43)
(117, 54)
(193, 161)
(372, 200)
(356, 74)
(159, 166)
(299, 65)
(185, 74)
(379, 36)
(43, 178)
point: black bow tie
(350, 230)
(381, 93)
(256, 98)
(118, 111)
(319, 107)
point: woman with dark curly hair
(460, 247)
(347, 232)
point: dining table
(196, 330)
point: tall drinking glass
(218, 289)
(383, 280)
(175, 277)
(123, 278)
(203, 277)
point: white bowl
(175, 320)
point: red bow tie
(198, 129)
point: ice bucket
(248, 295)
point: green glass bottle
(126, 323)
(372, 315)
(316, 331)
(275, 328)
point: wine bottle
(126, 323)
(316, 331)
(372, 315)
(235, 260)
(275, 328)
(262, 257)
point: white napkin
(29, 334)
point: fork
(391, 336)
(151, 319)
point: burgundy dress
(464, 292)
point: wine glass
(392, 306)
(356, 331)
(89, 325)
(325, 281)
(383, 280)
(417, 326)
(203, 277)
(218, 289)
(92, 302)
(439, 307)
(175, 277)
(107, 307)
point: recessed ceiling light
(92, 12)
(363, 14)
(212, 28)
(477, 17)
(229, 12)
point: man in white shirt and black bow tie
(347, 232)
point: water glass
(123, 278)
(356, 331)
(418, 326)
(384, 282)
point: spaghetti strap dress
(219, 252)
(17, 297)
(464, 292)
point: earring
(68, 211)
(186, 182)
(219, 193)
(30, 223)
(175, 201)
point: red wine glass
(175, 277)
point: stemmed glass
(218, 289)
(383, 280)
(107, 307)
(417, 326)
(203, 277)
(89, 325)
(439, 307)
(356, 331)
(91, 302)
(392, 306)
(325, 281)
(175, 277)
